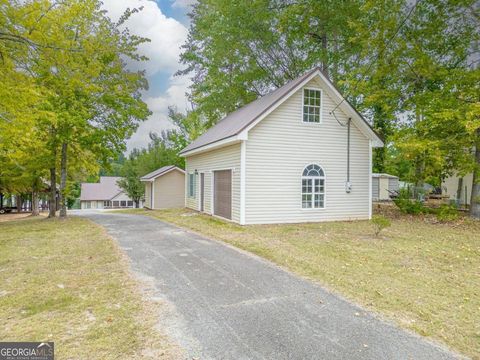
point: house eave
(215, 145)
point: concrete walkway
(226, 304)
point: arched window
(313, 187)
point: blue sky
(165, 23)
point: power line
(410, 12)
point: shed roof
(384, 175)
(106, 189)
(234, 123)
(159, 172)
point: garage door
(222, 193)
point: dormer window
(312, 100)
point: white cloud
(166, 35)
(158, 121)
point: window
(115, 204)
(313, 187)
(191, 185)
(123, 203)
(130, 203)
(107, 203)
(312, 105)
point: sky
(165, 23)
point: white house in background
(301, 153)
(382, 184)
(105, 195)
(459, 188)
(164, 188)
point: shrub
(446, 213)
(407, 205)
(380, 222)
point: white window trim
(321, 105)
(194, 186)
(324, 177)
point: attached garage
(222, 193)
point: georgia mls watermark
(26, 351)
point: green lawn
(67, 282)
(423, 275)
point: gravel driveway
(227, 304)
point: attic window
(312, 100)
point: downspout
(348, 184)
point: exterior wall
(169, 190)
(221, 159)
(393, 184)
(383, 188)
(375, 187)
(278, 149)
(148, 195)
(450, 186)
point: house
(104, 195)
(382, 184)
(458, 188)
(301, 153)
(164, 188)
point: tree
(130, 183)
(79, 59)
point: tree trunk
(325, 54)
(63, 181)
(459, 190)
(52, 206)
(475, 196)
(35, 203)
(18, 200)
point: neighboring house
(104, 195)
(458, 188)
(164, 188)
(382, 184)
(301, 153)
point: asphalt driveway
(227, 304)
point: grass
(423, 275)
(66, 281)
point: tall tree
(80, 60)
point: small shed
(164, 188)
(382, 184)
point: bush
(407, 205)
(410, 206)
(446, 213)
(380, 222)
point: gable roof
(106, 189)
(240, 120)
(160, 172)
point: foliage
(379, 223)
(76, 102)
(130, 181)
(447, 213)
(408, 204)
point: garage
(222, 194)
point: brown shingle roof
(106, 189)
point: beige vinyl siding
(281, 145)
(169, 191)
(148, 194)
(220, 159)
(450, 188)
